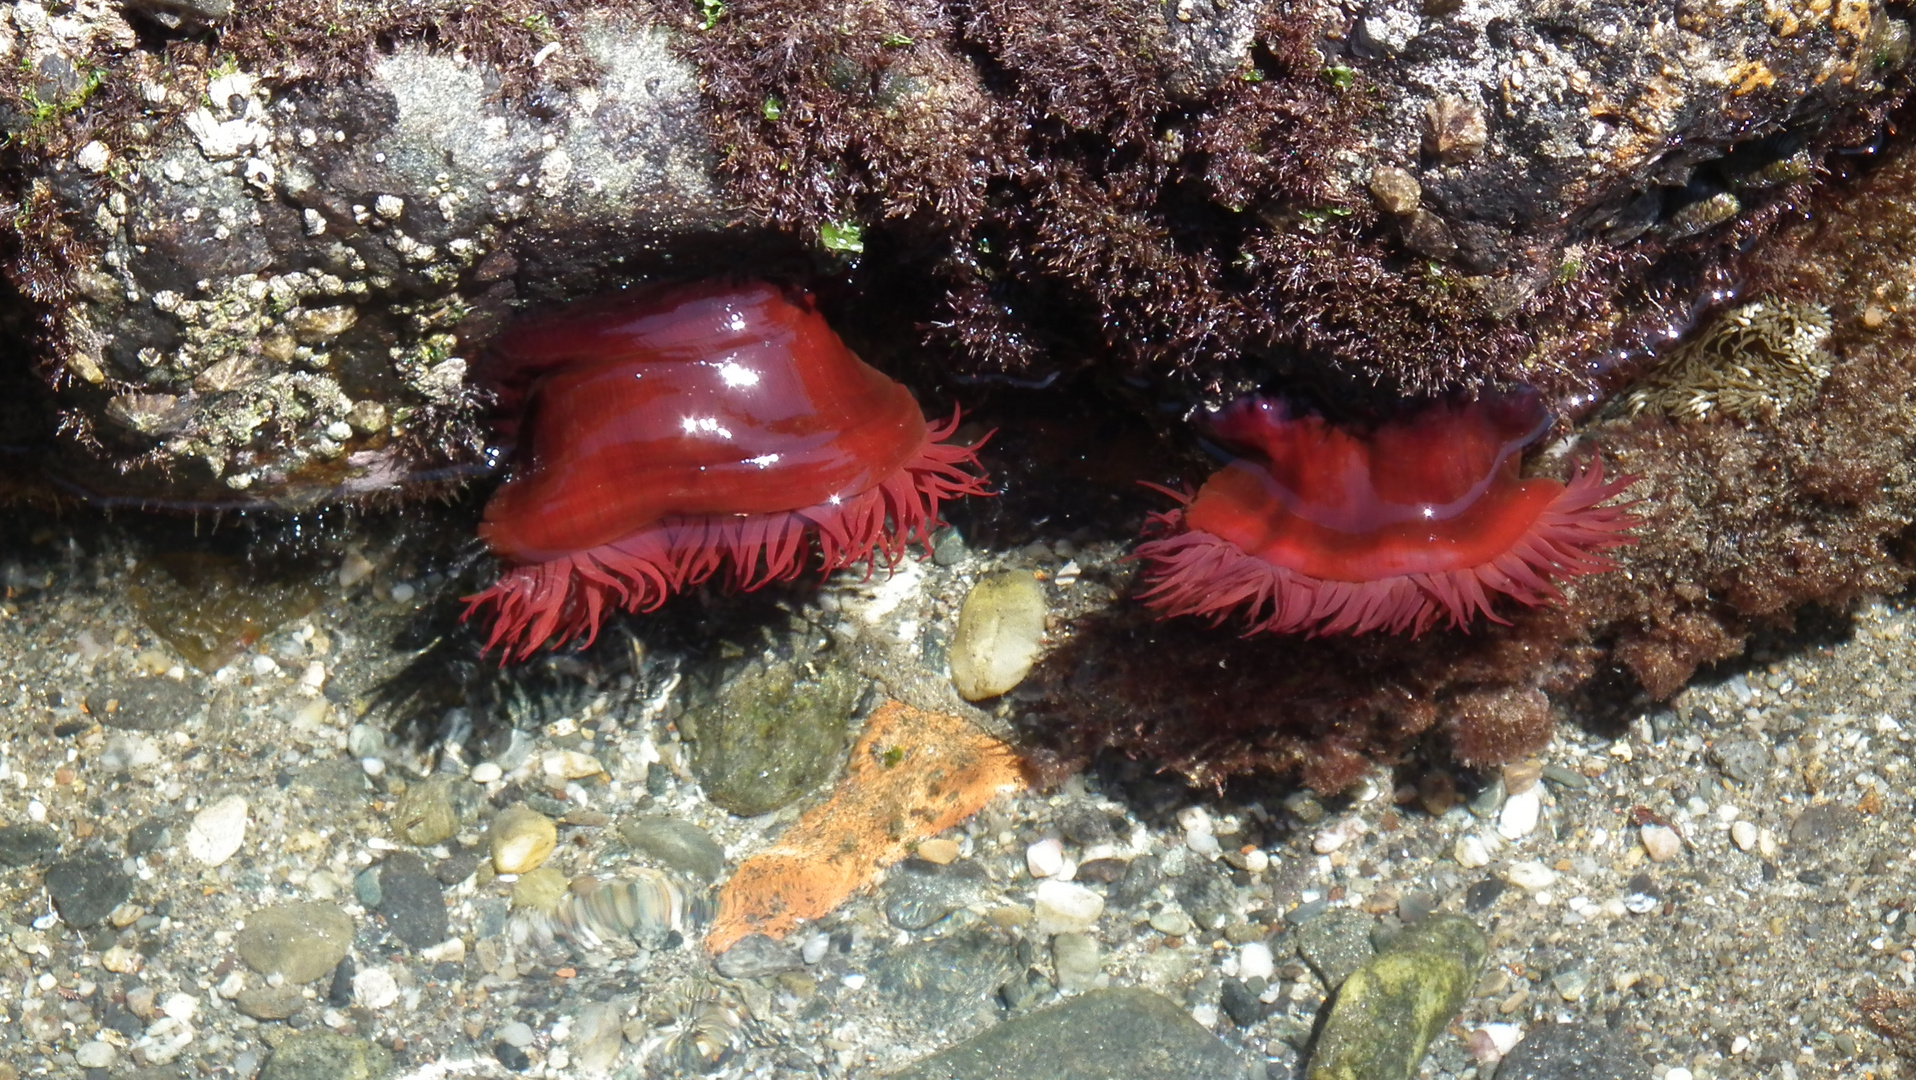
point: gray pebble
(85, 891)
(323, 1055)
(919, 893)
(1076, 958)
(678, 845)
(302, 942)
(25, 845)
(1335, 943)
(755, 957)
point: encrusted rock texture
(255, 253)
(1747, 522)
(258, 247)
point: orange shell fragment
(912, 775)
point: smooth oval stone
(999, 636)
(521, 838)
(1395, 1003)
(302, 942)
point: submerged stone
(1393, 1005)
(771, 735)
(1000, 629)
(322, 1055)
(1127, 1034)
(211, 608)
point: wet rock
(1820, 826)
(999, 636)
(756, 956)
(677, 845)
(335, 780)
(1124, 1034)
(919, 893)
(323, 1055)
(520, 838)
(25, 845)
(145, 704)
(424, 815)
(1569, 1052)
(947, 982)
(412, 900)
(1076, 958)
(302, 941)
(1336, 943)
(217, 831)
(85, 891)
(321, 261)
(1388, 1010)
(771, 735)
(270, 1002)
(1743, 760)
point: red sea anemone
(1322, 530)
(678, 432)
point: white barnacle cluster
(1753, 363)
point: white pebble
(1743, 835)
(815, 948)
(375, 988)
(1045, 858)
(1766, 843)
(181, 1007)
(314, 676)
(218, 831)
(373, 766)
(95, 1055)
(403, 593)
(1202, 843)
(1530, 876)
(1471, 851)
(1339, 834)
(1254, 961)
(1661, 842)
(1520, 813)
(264, 665)
(1064, 908)
(36, 810)
(1678, 1073)
(486, 772)
(515, 1034)
(1256, 861)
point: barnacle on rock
(1752, 363)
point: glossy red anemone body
(1320, 530)
(678, 433)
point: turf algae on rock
(1391, 1007)
(771, 735)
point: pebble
(512, 1057)
(520, 839)
(677, 845)
(1045, 858)
(515, 1033)
(412, 900)
(165, 1039)
(424, 815)
(25, 845)
(85, 891)
(1530, 876)
(1471, 851)
(1743, 835)
(755, 957)
(300, 942)
(919, 893)
(999, 636)
(217, 831)
(1389, 1009)
(1062, 907)
(1337, 835)
(486, 772)
(938, 850)
(1254, 961)
(327, 1055)
(94, 1055)
(1172, 922)
(571, 765)
(270, 1002)
(1076, 958)
(1520, 813)
(596, 1038)
(1661, 842)
(375, 988)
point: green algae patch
(1391, 1007)
(211, 608)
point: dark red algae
(1319, 529)
(682, 432)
